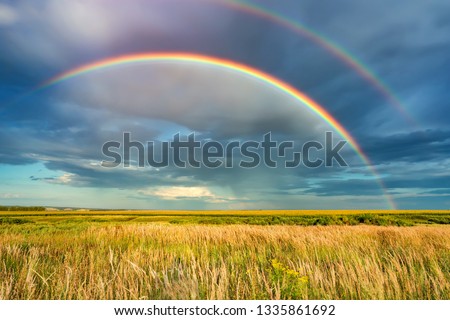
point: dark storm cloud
(418, 146)
(365, 187)
(39, 129)
(248, 39)
(345, 188)
(405, 43)
(415, 181)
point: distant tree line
(17, 208)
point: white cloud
(183, 192)
(7, 15)
(186, 193)
(66, 178)
(9, 196)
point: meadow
(224, 255)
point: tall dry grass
(227, 262)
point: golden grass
(156, 261)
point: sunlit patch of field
(143, 255)
(252, 217)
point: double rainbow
(228, 65)
(328, 45)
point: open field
(227, 217)
(192, 255)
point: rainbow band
(229, 65)
(331, 47)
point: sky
(396, 108)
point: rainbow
(228, 65)
(334, 49)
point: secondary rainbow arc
(329, 46)
(229, 65)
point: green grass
(62, 218)
(17, 208)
